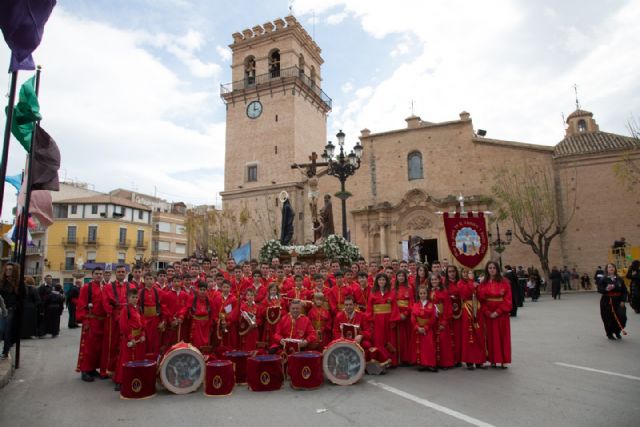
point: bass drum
(343, 362)
(182, 369)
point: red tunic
(114, 298)
(299, 328)
(202, 313)
(227, 336)
(274, 309)
(383, 312)
(151, 308)
(496, 297)
(303, 295)
(472, 327)
(444, 342)
(92, 319)
(424, 344)
(336, 297)
(456, 321)
(404, 297)
(248, 335)
(174, 309)
(131, 331)
(321, 321)
(361, 296)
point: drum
(265, 373)
(138, 379)
(239, 360)
(182, 368)
(305, 370)
(343, 362)
(219, 378)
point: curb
(6, 371)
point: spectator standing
(556, 282)
(30, 309)
(9, 288)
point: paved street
(536, 390)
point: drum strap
(155, 293)
(115, 293)
(195, 301)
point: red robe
(496, 296)
(202, 311)
(424, 344)
(472, 328)
(248, 336)
(274, 310)
(150, 303)
(361, 296)
(227, 337)
(383, 312)
(303, 295)
(404, 335)
(336, 297)
(131, 330)
(92, 319)
(321, 321)
(174, 309)
(456, 321)
(444, 342)
(300, 328)
(114, 298)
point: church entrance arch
(424, 250)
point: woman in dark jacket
(612, 309)
(53, 307)
(30, 308)
(9, 288)
(556, 282)
(633, 274)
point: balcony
(267, 79)
(69, 241)
(90, 241)
(38, 229)
(33, 271)
(67, 267)
(34, 250)
(124, 244)
(142, 244)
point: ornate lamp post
(342, 166)
(500, 245)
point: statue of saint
(326, 217)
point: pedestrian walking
(612, 308)
(556, 282)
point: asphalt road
(534, 391)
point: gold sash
(422, 322)
(150, 311)
(404, 303)
(200, 317)
(136, 332)
(382, 308)
(494, 299)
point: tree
(211, 230)
(628, 168)
(528, 196)
(264, 219)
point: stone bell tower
(276, 115)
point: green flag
(26, 113)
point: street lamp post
(342, 166)
(500, 245)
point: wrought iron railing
(291, 72)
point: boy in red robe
(90, 312)
(202, 315)
(321, 320)
(249, 323)
(295, 326)
(227, 330)
(132, 338)
(151, 308)
(299, 292)
(175, 303)
(338, 293)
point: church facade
(276, 117)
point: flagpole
(7, 133)
(24, 227)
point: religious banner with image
(467, 237)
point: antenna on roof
(412, 107)
(575, 89)
(291, 7)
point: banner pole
(7, 133)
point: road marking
(432, 405)
(584, 368)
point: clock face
(254, 109)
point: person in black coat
(633, 274)
(30, 309)
(72, 300)
(612, 308)
(43, 291)
(53, 307)
(515, 289)
(556, 282)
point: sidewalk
(6, 370)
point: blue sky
(130, 89)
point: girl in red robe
(249, 322)
(422, 276)
(451, 285)
(274, 309)
(441, 299)
(423, 324)
(472, 328)
(494, 293)
(321, 320)
(383, 313)
(202, 310)
(132, 338)
(404, 297)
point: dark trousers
(72, 316)
(6, 331)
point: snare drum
(305, 370)
(219, 378)
(265, 373)
(239, 360)
(343, 362)
(138, 379)
(182, 369)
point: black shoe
(611, 337)
(457, 365)
(470, 367)
(432, 369)
(481, 366)
(94, 373)
(619, 336)
(422, 368)
(84, 376)
(117, 387)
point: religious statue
(326, 217)
(415, 247)
(286, 230)
(313, 205)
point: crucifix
(310, 169)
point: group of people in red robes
(400, 313)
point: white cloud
(346, 87)
(336, 18)
(224, 52)
(400, 49)
(120, 115)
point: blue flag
(22, 23)
(242, 254)
(15, 180)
